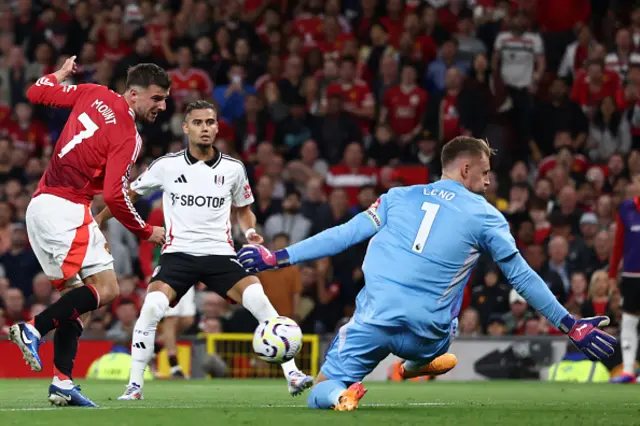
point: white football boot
(132, 392)
(298, 382)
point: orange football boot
(438, 366)
(350, 398)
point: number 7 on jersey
(90, 127)
(430, 211)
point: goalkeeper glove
(257, 258)
(586, 336)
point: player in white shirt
(199, 187)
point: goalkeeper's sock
(629, 341)
(256, 302)
(144, 335)
(326, 394)
(65, 348)
(69, 307)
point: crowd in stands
(330, 103)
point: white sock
(62, 384)
(144, 335)
(629, 341)
(261, 308)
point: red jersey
(449, 118)
(341, 176)
(309, 27)
(394, 28)
(356, 95)
(32, 138)
(332, 50)
(580, 165)
(405, 109)
(113, 54)
(194, 80)
(589, 96)
(95, 151)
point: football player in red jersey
(94, 154)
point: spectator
(13, 78)
(536, 258)
(598, 301)
(557, 114)
(559, 263)
(5, 227)
(295, 129)
(15, 310)
(290, 221)
(310, 164)
(126, 315)
(592, 87)
(265, 206)
(314, 206)
(469, 46)
(384, 149)
(367, 195)
(600, 253)
(42, 290)
(470, 323)
(577, 53)
(609, 132)
(623, 56)
(404, 105)
(437, 69)
(491, 296)
(578, 294)
(20, 264)
(588, 228)
(251, 128)
(496, 326)
(352, 174)
(231, 97)
(518, 313)
(283, 287)
(519, 57)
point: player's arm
(120, 159)
(584, 333)
(48, 90)
(106, 214)
(327, 243)
(242, 198)
(149, 181)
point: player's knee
(106, 285)
(154, 307)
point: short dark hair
(197, 105)
(464, 145)
(147, 74)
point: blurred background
(330, 103)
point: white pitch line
(193, 407)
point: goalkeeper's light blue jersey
(427, 240)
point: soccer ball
(277, 340)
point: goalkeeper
(427, 239)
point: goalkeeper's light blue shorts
(358, 348)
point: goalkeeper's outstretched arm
(536, 292)
(333, 240)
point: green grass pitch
(266, 402)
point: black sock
(65, 346)
(173, 360)
(69, 307)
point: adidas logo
(181, 179)
(139, 345)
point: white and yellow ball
(277, 340)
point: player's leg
(423, 356)
(176, 320)
(629, 329)
(249, 292)
(429, 358)
(355, 352)
(69, 247)
(175, 274)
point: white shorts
(186, 307)
(66, 240)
